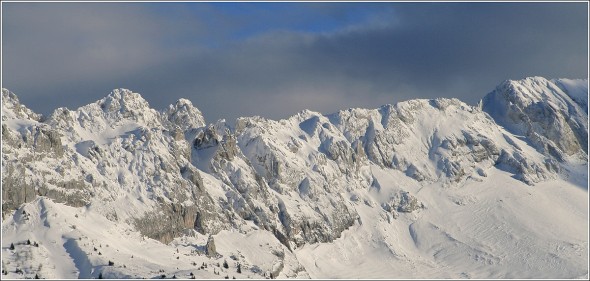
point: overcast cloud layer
(275, 59)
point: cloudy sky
(275, 59)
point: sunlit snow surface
(498, 228)
(79, 243)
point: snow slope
(80, 242)
(419, 189)
(492, 229)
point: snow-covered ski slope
(419, 189)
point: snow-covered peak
(556, 92)
(305, 114)
(118, 113)
(183, 102)
(530, 90)
(183, 114)
(124, 104)
(123, 101)
(13, 109)
(543, 111)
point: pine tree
(28, 242)
(239, 268)
(100, 275)
(36, 276)
(11, 246)
(111, 263)
(225, 265)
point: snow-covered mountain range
(420, 189)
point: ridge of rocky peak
(542, 111)
(123, 100)
(12, 108)
(183, 114)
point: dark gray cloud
(270, 62)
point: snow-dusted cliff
(168, 175)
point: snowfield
(424, 189)
(491, 229)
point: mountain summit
(419, 189)
(551, 114)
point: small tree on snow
(11, 246)
(225, 265)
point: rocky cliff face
(295, 177)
